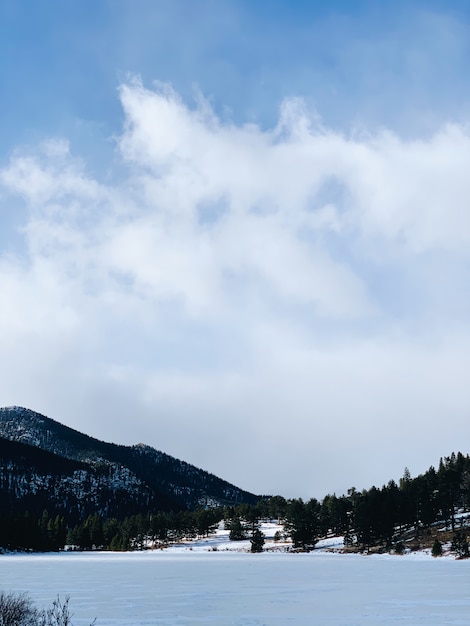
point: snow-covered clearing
(219, 588)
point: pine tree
(257, 541)
(460, 545)
(236, 530)
(302, 523)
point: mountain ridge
(163, 482)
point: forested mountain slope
(139, 476)
(32, 480)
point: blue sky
(374, 63)
(238, 231)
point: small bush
(436, 548)
(19, 610)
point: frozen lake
(219, 589)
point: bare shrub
(18, 610)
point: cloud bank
(287, 307)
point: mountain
(32, 479)
(44, 463)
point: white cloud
(245, 294)
(416, 191)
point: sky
(239, 231)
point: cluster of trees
(137, 531)
(379, 517)
(30, 531)
(243, 522)
(48, 532)
(374, 517)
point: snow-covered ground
(220, 541)
(213, 582)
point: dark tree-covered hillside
(165, 483)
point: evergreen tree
(460, 545)
(94, 525)
(257, 541)
(237, 532)
(302, 523)
(362, 520)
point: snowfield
(213, 582)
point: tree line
(372, 517)
(50, 532)
(379, 516)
